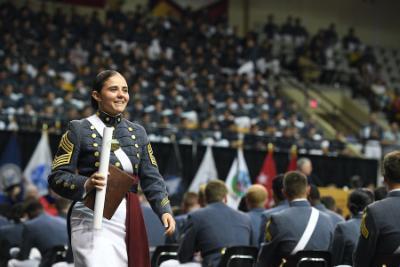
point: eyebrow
(115, 86)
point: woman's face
(113, 96)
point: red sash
(136, 237)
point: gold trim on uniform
(59, 181)
(363, 227)
(68, 147)
(151, 155)
(164, 202)
(114, 145)
(268, 236)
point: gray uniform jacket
(43, 232)
(212, 228)
(345, 239)
(335, 218)
(78, 158)
(285, 229)
(380, 230)
(266, 215)
(255, 218)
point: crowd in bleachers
(183, 76)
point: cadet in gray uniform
(77, 161)
(210, 229)
(380, 227)
(256, 197)
(285, 228)
(315, 199)
(346, 234)
(280, 204)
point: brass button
(59, 181)
(66, 184)
(119, 120)
(97, 153)
(117, 164)
(72, 186)
(137, 155)
(133, 136)
(94, 135)
(136, 166)
(130, 129)
(95, 144)
(107, 119)
(97, 164)
(92, 127)
(136, 145)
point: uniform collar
(394, 193)
(301, 202)
(108, 119)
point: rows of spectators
(182, 75)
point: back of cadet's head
(256, 196)
(33, 208)
(391, 167)
(215, 191)
(359, 199)
(295, 184)
(277, 186)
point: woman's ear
(96, 95)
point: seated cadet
(346, 233)
(41, 231)
(210, 229)
(380, 228)
(256, 197)
(285, 230)
(190, 203)
(280, 204)
(315, 200)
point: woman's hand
(169, 223)
(95, 181)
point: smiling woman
(74, 175)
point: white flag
(238, 180)
(39, 165)
(206, 172)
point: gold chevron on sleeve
(64, 153)
(151, 155)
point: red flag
(268, 172)
(293, 159)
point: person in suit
(41, 231)
(346, 233)
(74, 176)
(380, 228)
(283, 232)
(280, 204)
(211, 229)
(256, 196)
(315, 200)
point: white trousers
(104, 247)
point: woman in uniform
(122, 240)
